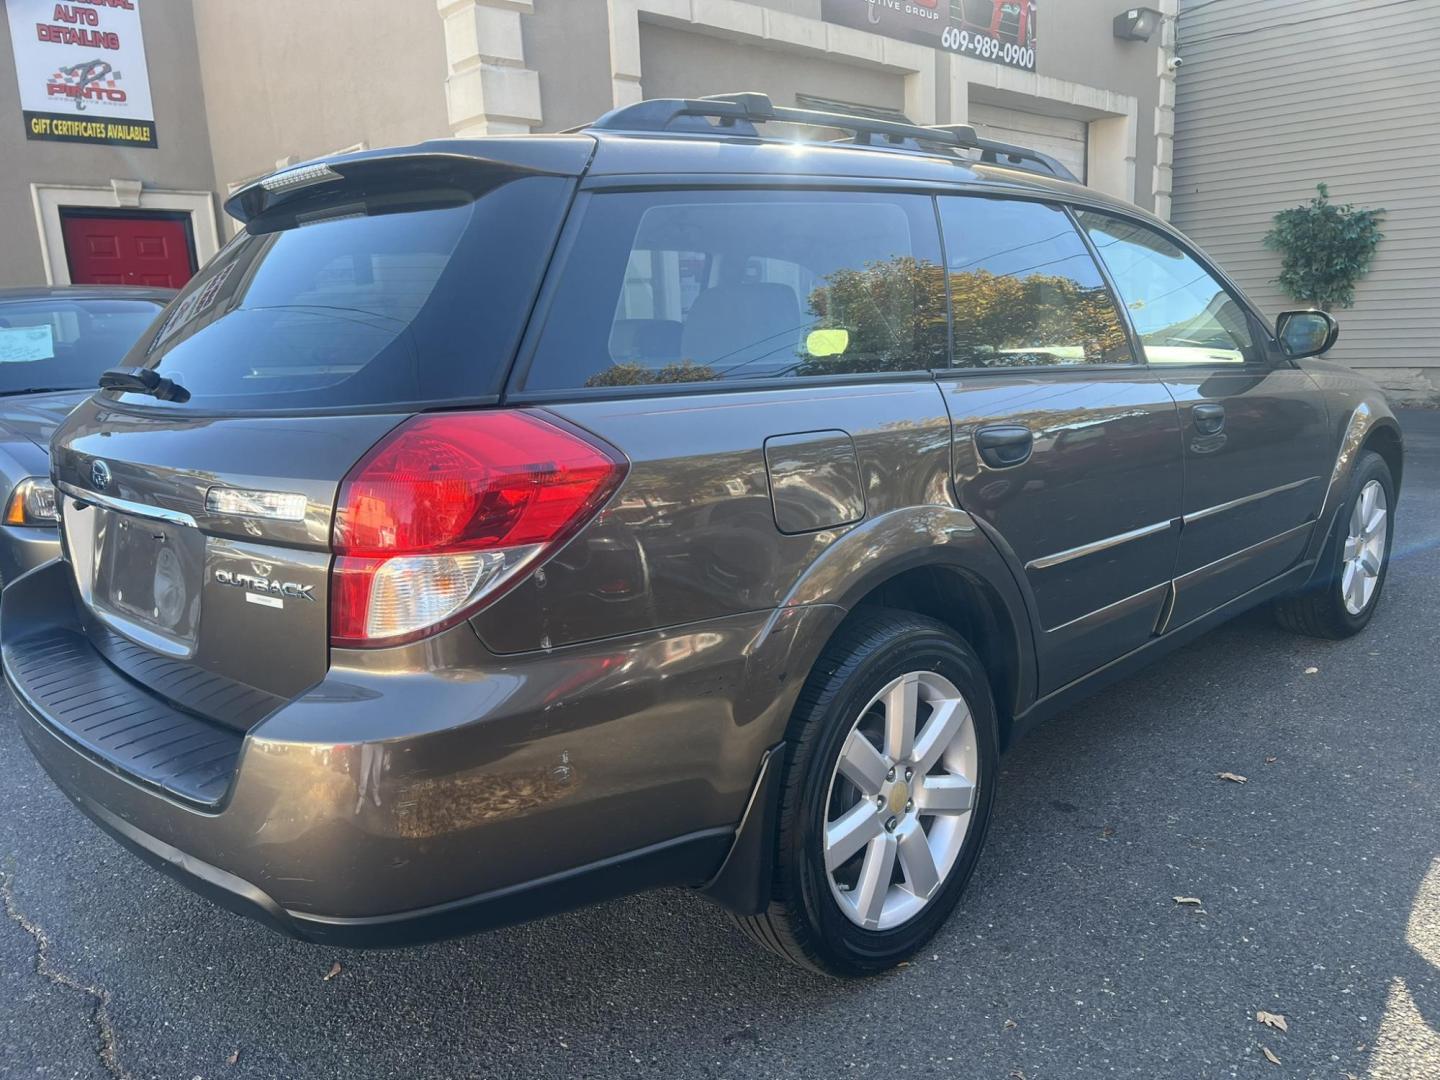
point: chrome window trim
(125, 506)
(1047, 561)
(1220, 508)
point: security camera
(1174, 63)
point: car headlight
(32, 503)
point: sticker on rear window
(24, 344)
(191, 306)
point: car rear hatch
(197, 505)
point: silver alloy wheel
(900, 800)
(1364, 553)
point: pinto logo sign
(82, 73)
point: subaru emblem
(99, 475)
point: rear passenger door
(1066, 447)
(1254, 425)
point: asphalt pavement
(1318, 881)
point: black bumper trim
(684, 860)
(67, 685)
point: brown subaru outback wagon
(497, 525)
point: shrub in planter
(1324, 249)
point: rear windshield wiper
(38, 390)
(139, 380)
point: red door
(128, 250)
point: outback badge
(265, 590)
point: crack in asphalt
(100, 1014)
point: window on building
(1181, 314)
(1024, 289)
(693, 287)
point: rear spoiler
(461, 162)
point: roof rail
(739, 113)
(1003, 153)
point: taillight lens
(447, 511)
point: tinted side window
(1024, 289)
(698, 286)
(1180, 312)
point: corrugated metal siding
(1274, 97)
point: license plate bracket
(151, 573)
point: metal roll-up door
(1059, 136)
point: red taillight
(447, 511)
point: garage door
(1060, 137)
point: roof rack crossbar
(738, 114)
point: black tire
(804, 923)
(1319, 610)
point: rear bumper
(683, 860)
(390, 804)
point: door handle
(1004, 446)
(1209, 418)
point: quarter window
(1181, 314)
(1024, 289)
(703, 286)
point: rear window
(410, 298)
(702, 286)
(62, 344)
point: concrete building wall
(242, 88)
(1275, 99)
(181, 161)
(587, 56)
(679, 63)
(578, 90)
(285, 80)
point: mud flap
(743, 882)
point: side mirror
(1306, 333)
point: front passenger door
(1253, 425)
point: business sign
(81, 69)
(1001, 31)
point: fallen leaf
(1107, 832)
(1274, 1020)
(1187, 901)
(1271, 760)
(233, 1058)
(1234, 778)
(1009, 1025)
(1269, 1055)
(335, 969)
(1312, 671)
